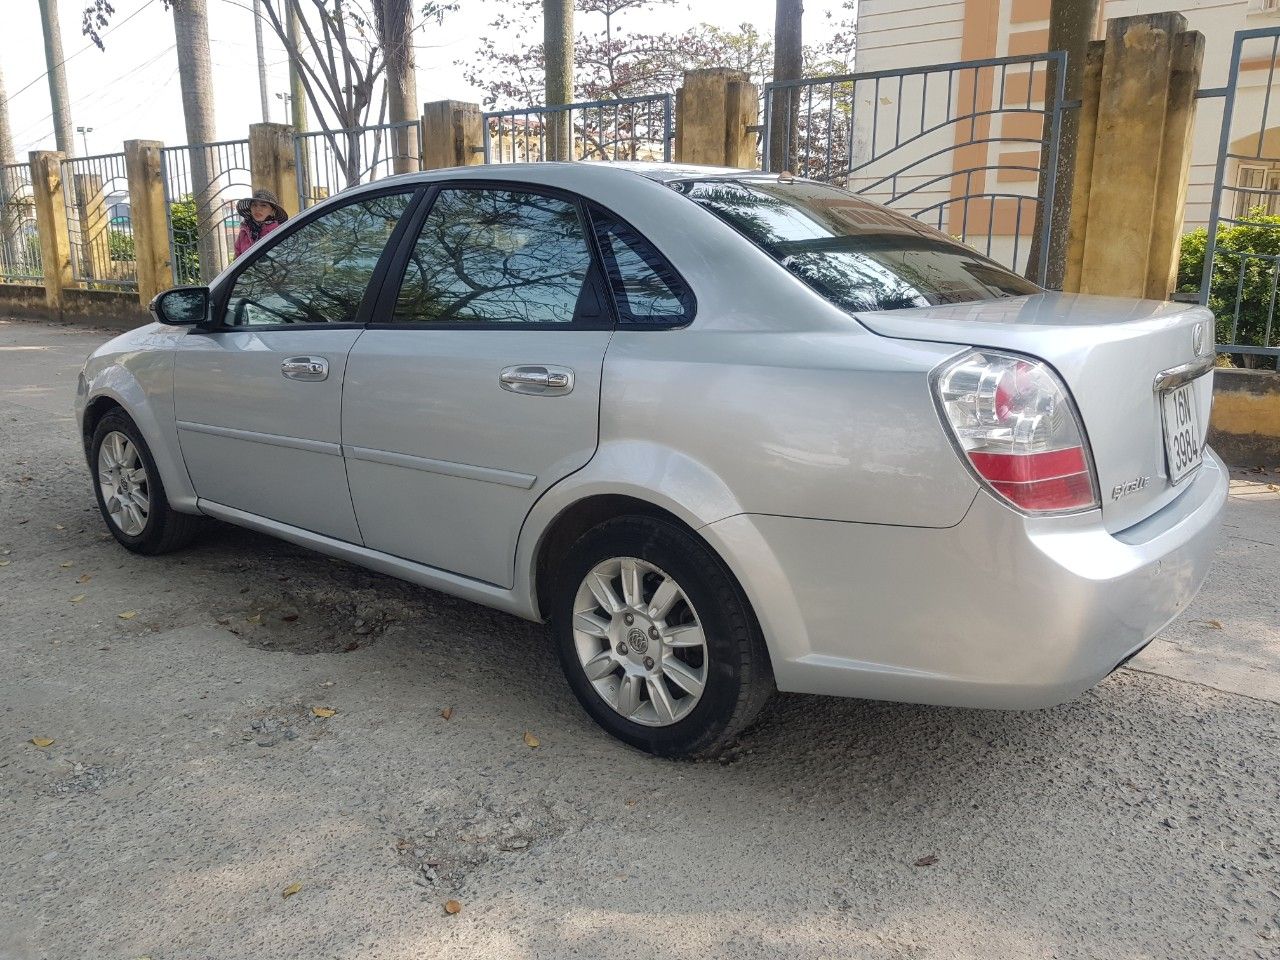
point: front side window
(318, 273)
(495, 256)
(857, 254)
(646, 288)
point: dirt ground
(190, 785)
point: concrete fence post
(715, 111)
(452, 134)
(150, 217)
(51, 223)
(1136, 159)
(273, 163)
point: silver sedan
(728, 432)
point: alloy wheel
(640, 641)
(122, 478)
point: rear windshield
(857, 254)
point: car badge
(1197, 338)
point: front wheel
(129, 490)
(657, 640)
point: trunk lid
(1108, 351)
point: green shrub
(1247, 243)
(186, 240)
(120, 246)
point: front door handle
(305, 368)
(537, 380)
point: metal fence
(969, 147)
(1241, 270)
(202, 183)
(331, 161)
(630, 128)
(95, 191)
(19, 240)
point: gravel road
(191, 786)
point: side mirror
(182, 306)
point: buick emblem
(1197, 338)
(639, 642)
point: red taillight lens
(1015, 422)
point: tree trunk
(10, 197)
(191, 32)
(395, 34)
(62, 126)
(297, 90)
(262, 61)
(557, 43)
(788, 64)
(1071, 26)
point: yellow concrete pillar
(273, 163)
(150, 217)
(1141, 152)
(452, 134)
(714, 111)
(51, 223)
(1086, 134)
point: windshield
(855, 253)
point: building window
(1258, 187)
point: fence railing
(331, 161)
(202, 183)
(19, 238)
(630, 128)
(968, 147)
(99, 221)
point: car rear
(1083, 421)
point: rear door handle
(305, 368)
(537, 380)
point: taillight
(1014, 421)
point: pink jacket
(244, 240)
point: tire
(613, 663)
(143, 522)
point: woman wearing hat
(260, 214)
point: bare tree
(557, 45)
(1071, 26)
(62, 125)
(10, 210)
(788, 64)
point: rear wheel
(129, 490)
(657, 640)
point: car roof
(549, 171)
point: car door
(477, 385)
(258, 400)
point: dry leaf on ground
(447, 713)
(452, 906)
(531, 741)
(1212, 624)
(324, 712)
(5, 563)
(127, 615)
(77, 598)
(65, 565)
(84, 578)
(290, 890)
(42, 741)
(928, 861)
(58, 526)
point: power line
(88, 46)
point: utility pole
(297, 92)
(62, 125)
(195, 75)
(557, 44)
(262, 61)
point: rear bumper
(1000, 611)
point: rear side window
(857, 254)
(495, 256)
(646, 288)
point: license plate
(1181, 431)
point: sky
(131, 90)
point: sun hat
(263, 196)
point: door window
(496, 256)
(319, 272)
(646, 288)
